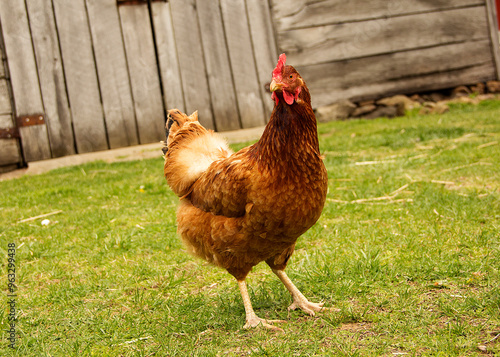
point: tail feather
(189, 150)
(175, 121)
(168, 125)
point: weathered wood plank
(6, 121)
(242, 63)
(361, 39)
(143, 71)
(24, 78)
(5, 104)
(410, 71)
(3, 58)
(167, 56)
(218, 68)
(9, 148)
(493, 30)
(113, 73)
(190, 54)
(81, 76)
(295, 14)
(264, 47)
(51, 76)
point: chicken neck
(290, 137)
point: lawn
(407, 247)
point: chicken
(239, 209)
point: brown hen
(238, 209)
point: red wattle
(275, 98)
(288, 97)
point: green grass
(408, 247)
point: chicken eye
(291, 76)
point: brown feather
(243, 208)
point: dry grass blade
(465, 137)
(465, 166)
(373, 200)
(401, 200)
(40, 216)
(404, 187)
(487, 144)
(443, 182)
(494, 338)
(135, 340)
(377, 200)
(337, 201)
(421, 156)
(362, 163)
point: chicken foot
(252, 320)
(299, 300)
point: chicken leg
(299, 300)
(252, 320)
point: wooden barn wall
(367, 49)
(10, 153)
(101, 73)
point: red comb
(279, 66)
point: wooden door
(91, 75)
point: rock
(382, 111)
(479, 88)
(436, 97)
(460, 91)
(398, 99)
(434, 108)
(440, 108)
(493, 86)
(401, 102)
(366, 102)
(362, 110)
(340, 110)
(466, 100)
(486, 96)
(417, 98)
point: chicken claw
(299, 300)
(308, 307)
(252, 320)
(255, 321)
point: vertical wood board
(21, 59)
(81, 76)
(242, 63)
(220, 80)
(5, 105)
(192, 66)
(2, 66)
(113, 75)
(50, 73)
(167, 56)
(24, 78)
(9, 148)
(6, 121)
(141, 58)
(264, 47)
(491, 14)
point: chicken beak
(274, 86)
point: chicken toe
(252, 320)
(305, 305)
(255, 321)
(299, 300)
